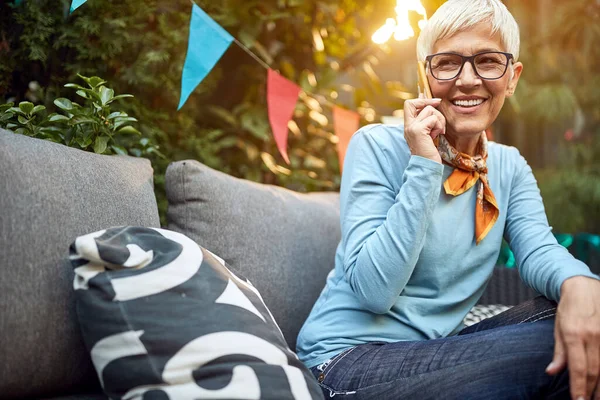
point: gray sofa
(282, 241)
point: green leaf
(64, 104)
(6, 116)
(154, 150)
(83, 141)
(11, 126)
(144, 141)
(38, 109)
(26, 107)
(119, 150)
(82, 94)
(22, 120)
(100, 144)
(106, 95)
(82, 119)
(129, 130)
(53, 133)
(212, 135)
(5, 107)
(51, 129)
(16, 110)
(255, 124)
(117, 114)
(90, 93)
(58, 118)
(227, 142)
(121, 96)
(224, 115)
(94, 81)
(68, 136)
(75, 86)
(21, 131)
(122, 121)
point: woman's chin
(467, 129)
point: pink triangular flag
(345, 123)
(282, 96)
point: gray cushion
(50, 195)
(284, 242)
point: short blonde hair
(456, 16)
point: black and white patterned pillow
(481, 312)
(164, 318)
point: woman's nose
(468, 77)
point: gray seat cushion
(50, 194)
(284, 242)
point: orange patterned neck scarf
(468, 170)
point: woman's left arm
(553, 271)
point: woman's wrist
(575, 283)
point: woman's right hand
(422, 124)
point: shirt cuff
(579, 269)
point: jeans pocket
(328, 367)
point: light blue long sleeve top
(407, 266)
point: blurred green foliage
(139, 47)
(555, 118)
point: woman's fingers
(429, 111)
(432, 125)
(597, 388)
(578, 324)
(577, 360)
(413, 107)
(422, 123)
(593, 363)
(559, 361)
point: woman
(423, 213)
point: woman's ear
(512, 84)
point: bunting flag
(76, 4)
(207, 43)
(345, 123)
(282, 96)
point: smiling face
(469, 103)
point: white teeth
(468, 103)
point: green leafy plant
(91, 126)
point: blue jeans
(503, 357)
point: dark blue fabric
(503, 357)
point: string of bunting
(282, 94)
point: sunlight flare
(400, 27)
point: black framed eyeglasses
(488, 65)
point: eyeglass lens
(487, 65)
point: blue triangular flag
(76, 3)
(206, 45)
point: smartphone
(423, 84)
